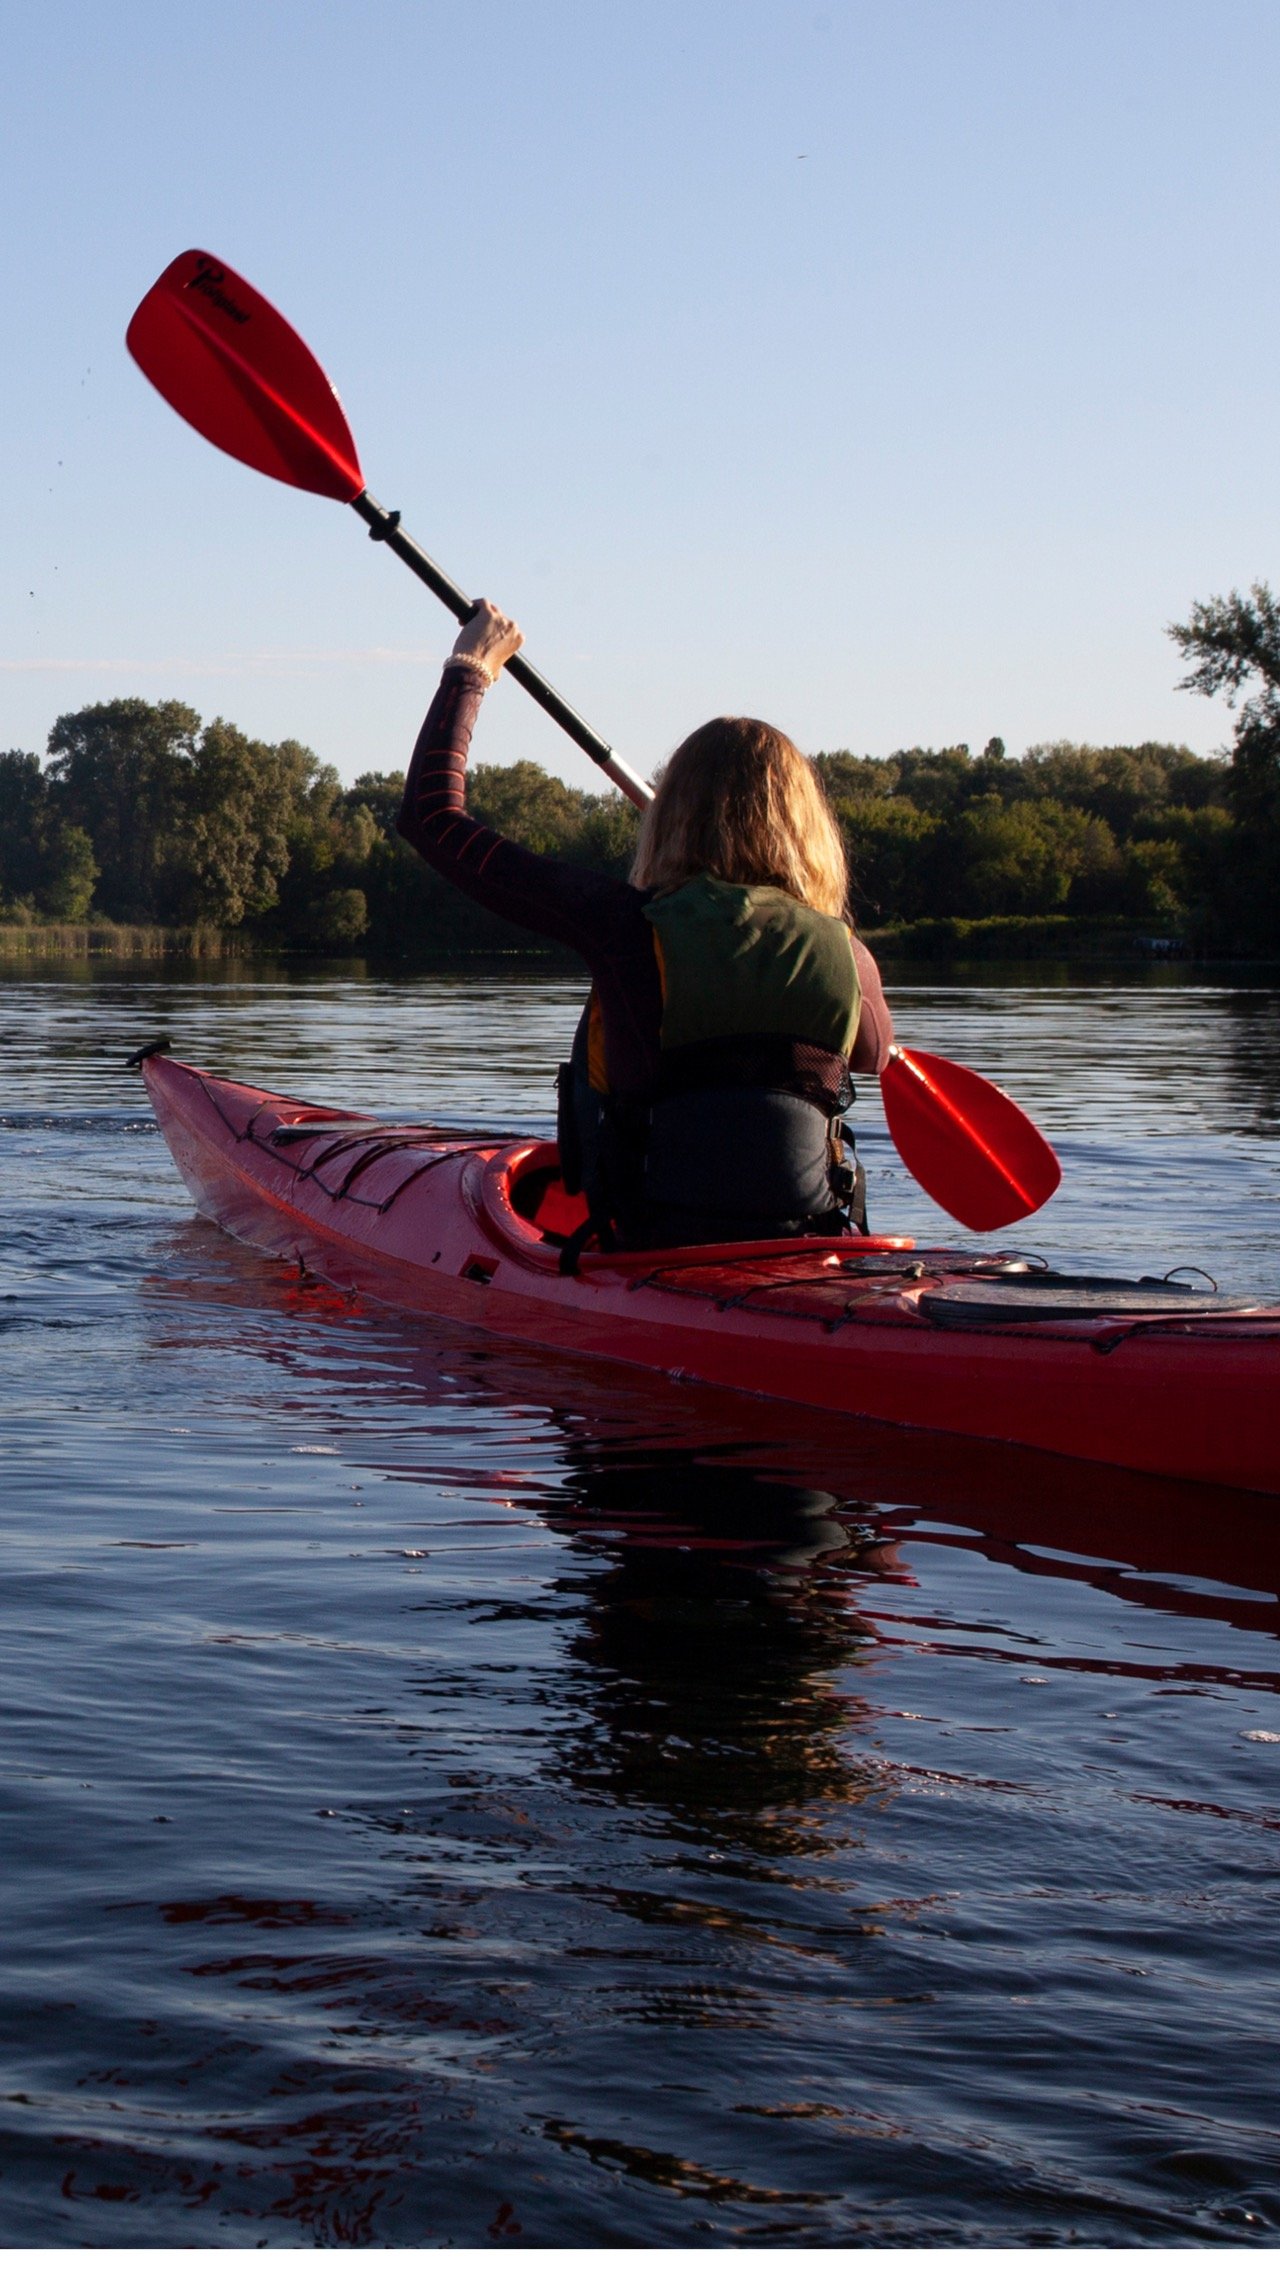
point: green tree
(339, 919)
(606, 834)
(1024, 859)
(1233, 645)
(187, 823)
(1155, 879)
(231, 848)
(936, 780)
(527, 803)
(331, 835)
(24, 801)
(848, 778)
(1121, 784)
(71, 872)
(891, 847)
(121, 769)
(47, 864)
(381, 794)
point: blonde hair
(737, 800)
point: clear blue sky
(893, 371)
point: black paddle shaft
(385, 528)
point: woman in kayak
(730, 998)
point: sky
(895, 370)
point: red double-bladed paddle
(235, 370)
(228, 363)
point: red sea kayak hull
(470, 1228)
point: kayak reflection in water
(730, 998)
(716, 1666)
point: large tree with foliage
(119, 770)
(1233, 645)
(187, 824)
(238, 800)
(47, 864)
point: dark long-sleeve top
(599, 917)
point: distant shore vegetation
(145, 830)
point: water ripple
(452, 1796)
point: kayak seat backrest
(540, 1198)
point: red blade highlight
(966, 1143)
(230, 364)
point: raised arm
(561, 900)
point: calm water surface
(453, 1796)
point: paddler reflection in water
(730, 998)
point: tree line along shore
(146, 831)
(150, 833)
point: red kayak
(472, 1226)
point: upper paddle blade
(235, 370)
(968, 1144)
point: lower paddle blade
(229, 364)
(966, 1143)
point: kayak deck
(472, 1225)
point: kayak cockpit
(523, 1204)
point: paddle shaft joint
(385, 527)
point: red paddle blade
(966, 1143)
(235, 370)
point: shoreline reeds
(124, 942)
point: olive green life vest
(750, 959)
(711, 1158)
